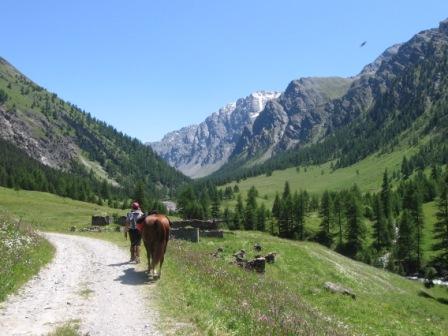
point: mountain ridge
(62, 136)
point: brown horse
(155, 234)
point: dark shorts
(135, 237)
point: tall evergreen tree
(139, 194)
(286, 191)
(381, 238)
(326, 213)
(356, 230)
(261, 218)
(286, 216)
(338, 210)
(250, 212)
(412, 201)
(227, 217)
(215, 211)
(276, 207)
(386, 200)
(238, 216)
(441, 226)
(299, 215)
(406, 243)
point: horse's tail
(162, 234)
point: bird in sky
(363, 44)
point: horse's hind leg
(148, 254)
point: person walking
(134, 234)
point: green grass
(367, 174)
(50, 212)
(68, 329)
(22, 254)
(221, 298)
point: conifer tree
(261, 218)
(326, 213)
(226, 217)
(356, 230)
(441, 226)
(215, 206)
(286, 216)
(139, 195)
(386, 206)
(406, 243)
(381, 237)
(299, 214)
(250, 212)
(238, 217)
(276, 207)
(405, 168)
(412, 201)
(286, 191)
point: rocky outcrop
(52, 150)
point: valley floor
(89, 283)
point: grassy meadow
(289, 299)
(49, 212)
(366, 174)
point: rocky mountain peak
(201, 149)
(443, 26)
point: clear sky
(148, 67)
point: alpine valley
(318, 120)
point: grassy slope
(50, 212)
(386, 304)
(367, 174)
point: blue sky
(149, 67)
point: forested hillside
(60, 135)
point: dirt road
(90, 282)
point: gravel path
(89, 281)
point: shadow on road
(120, 264)
(133, 277)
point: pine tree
(386, 205)
(381, 238)
(338, 211)
(441, 226)
(412, 201)
(406, 243)
(286, 191)
(238, 216)
(299, 214)
(356, 230)
(405, 168)
(276, 207)
(139, 195)
(250, 212)
(286, 216)
(261, 218)
(215, 206)
(324, 235)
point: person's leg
(137, 254)
(138, 241)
